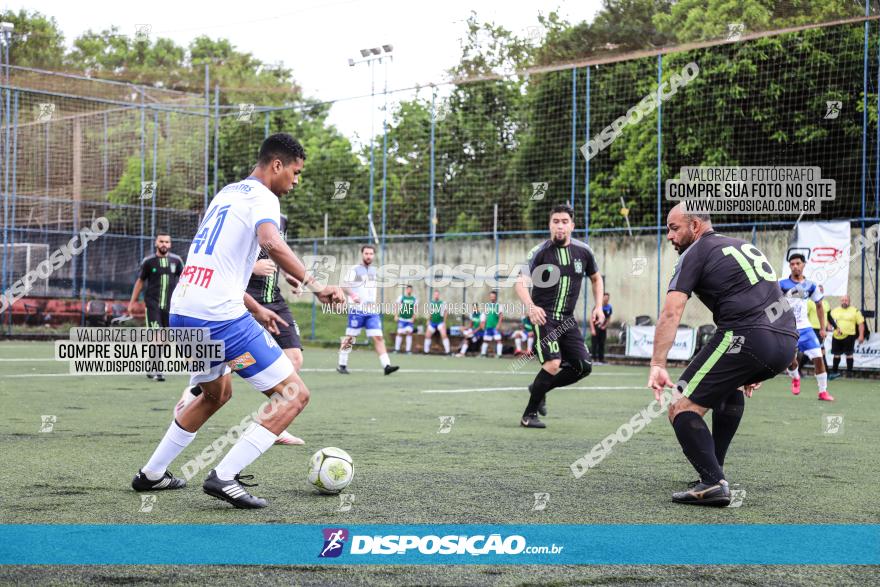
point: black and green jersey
(160, 275)
(407, 307)
(527, 324)
(476, 319)
(492, 314)
(557, 273)
(437, 309)
(265, 289)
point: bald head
(684, 228)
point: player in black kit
(556, 268)
(158, 277)
(755, 340)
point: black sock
(849, 364)
(540, 387)
(725, 421)
(836, 363)
(698, 446)
(196, 391)
(565, 376)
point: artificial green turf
(485, 470)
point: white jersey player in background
(798, 289)
(241, 219)
(361, 285)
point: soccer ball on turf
(330, 470)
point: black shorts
(288, 336)
(560, 339)
(843, 346)
(732, 359)
(155, 317)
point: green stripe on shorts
(538, 345)
(710, 362)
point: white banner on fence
(866, 356)
(640, 342)
(823, 244)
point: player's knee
(584, 368)
(553, 366)
(217, 396)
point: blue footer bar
(271, 544)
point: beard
(162, 250)
(558, 241)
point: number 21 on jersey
(757, 265)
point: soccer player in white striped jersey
(241, 219)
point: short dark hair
(365, 247)
(408, 286)
(281, 146)
(494, 291)
(562, 209)
(163, 233)
(797, 256)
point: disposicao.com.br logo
(335, 538)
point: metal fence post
(659, 175)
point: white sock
(172, 444)
(383, 358)
(822, 380)
(409, 343)
(484, 348)
(793, 373)
(498, 349)
(343, 357)
(446, 344)
(518, 342)
(397, 341)
(427, 344)
(464, 347)
(531, 344)
(255, 441)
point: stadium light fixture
(388, 48)
(376, 50)
(365, 52)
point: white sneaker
(186, 398)
(289, 439)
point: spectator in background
(846, 318)
(598, 332)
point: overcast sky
(316, 38)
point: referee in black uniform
(755, 340)
(157, 278)
(556, 268)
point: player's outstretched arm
(135, 293)
(664, 336)
(598, 294)
(270, 240)
(263, 315)
(536, 314)
(264, 268)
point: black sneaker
(168, 481)
(233, 491)
(716, 495)
(342, 369)
(531, 421)
(150, 376)
(389, 369)
(160, 378)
